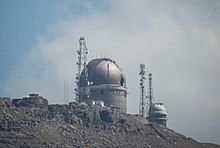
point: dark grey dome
(103, 71)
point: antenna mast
(81, 64)
(66, 91)
(150, 91)
(142, 107)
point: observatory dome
(105, 82)
(103, 71)
(157, 113)
(157, 109)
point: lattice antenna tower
(142, 106)
(85, 53)
(81, 64)
(150, 96)
(66, 91)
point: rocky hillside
(78, 125)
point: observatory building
(105, 82)
(157, 113)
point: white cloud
(175, 40)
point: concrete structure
(32, 100)
(100, 103)
(157, 113)
(106, 83)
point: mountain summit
(34, 123)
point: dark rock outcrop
(105, 115)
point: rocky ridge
(29, 124)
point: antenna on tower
(142, 107)
(150, 96)
(81, 64)
(66, 91)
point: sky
(179, 42)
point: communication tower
(66, 91)
(142, 106)
(150, 97)
(81, 64)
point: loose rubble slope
(78, 125)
